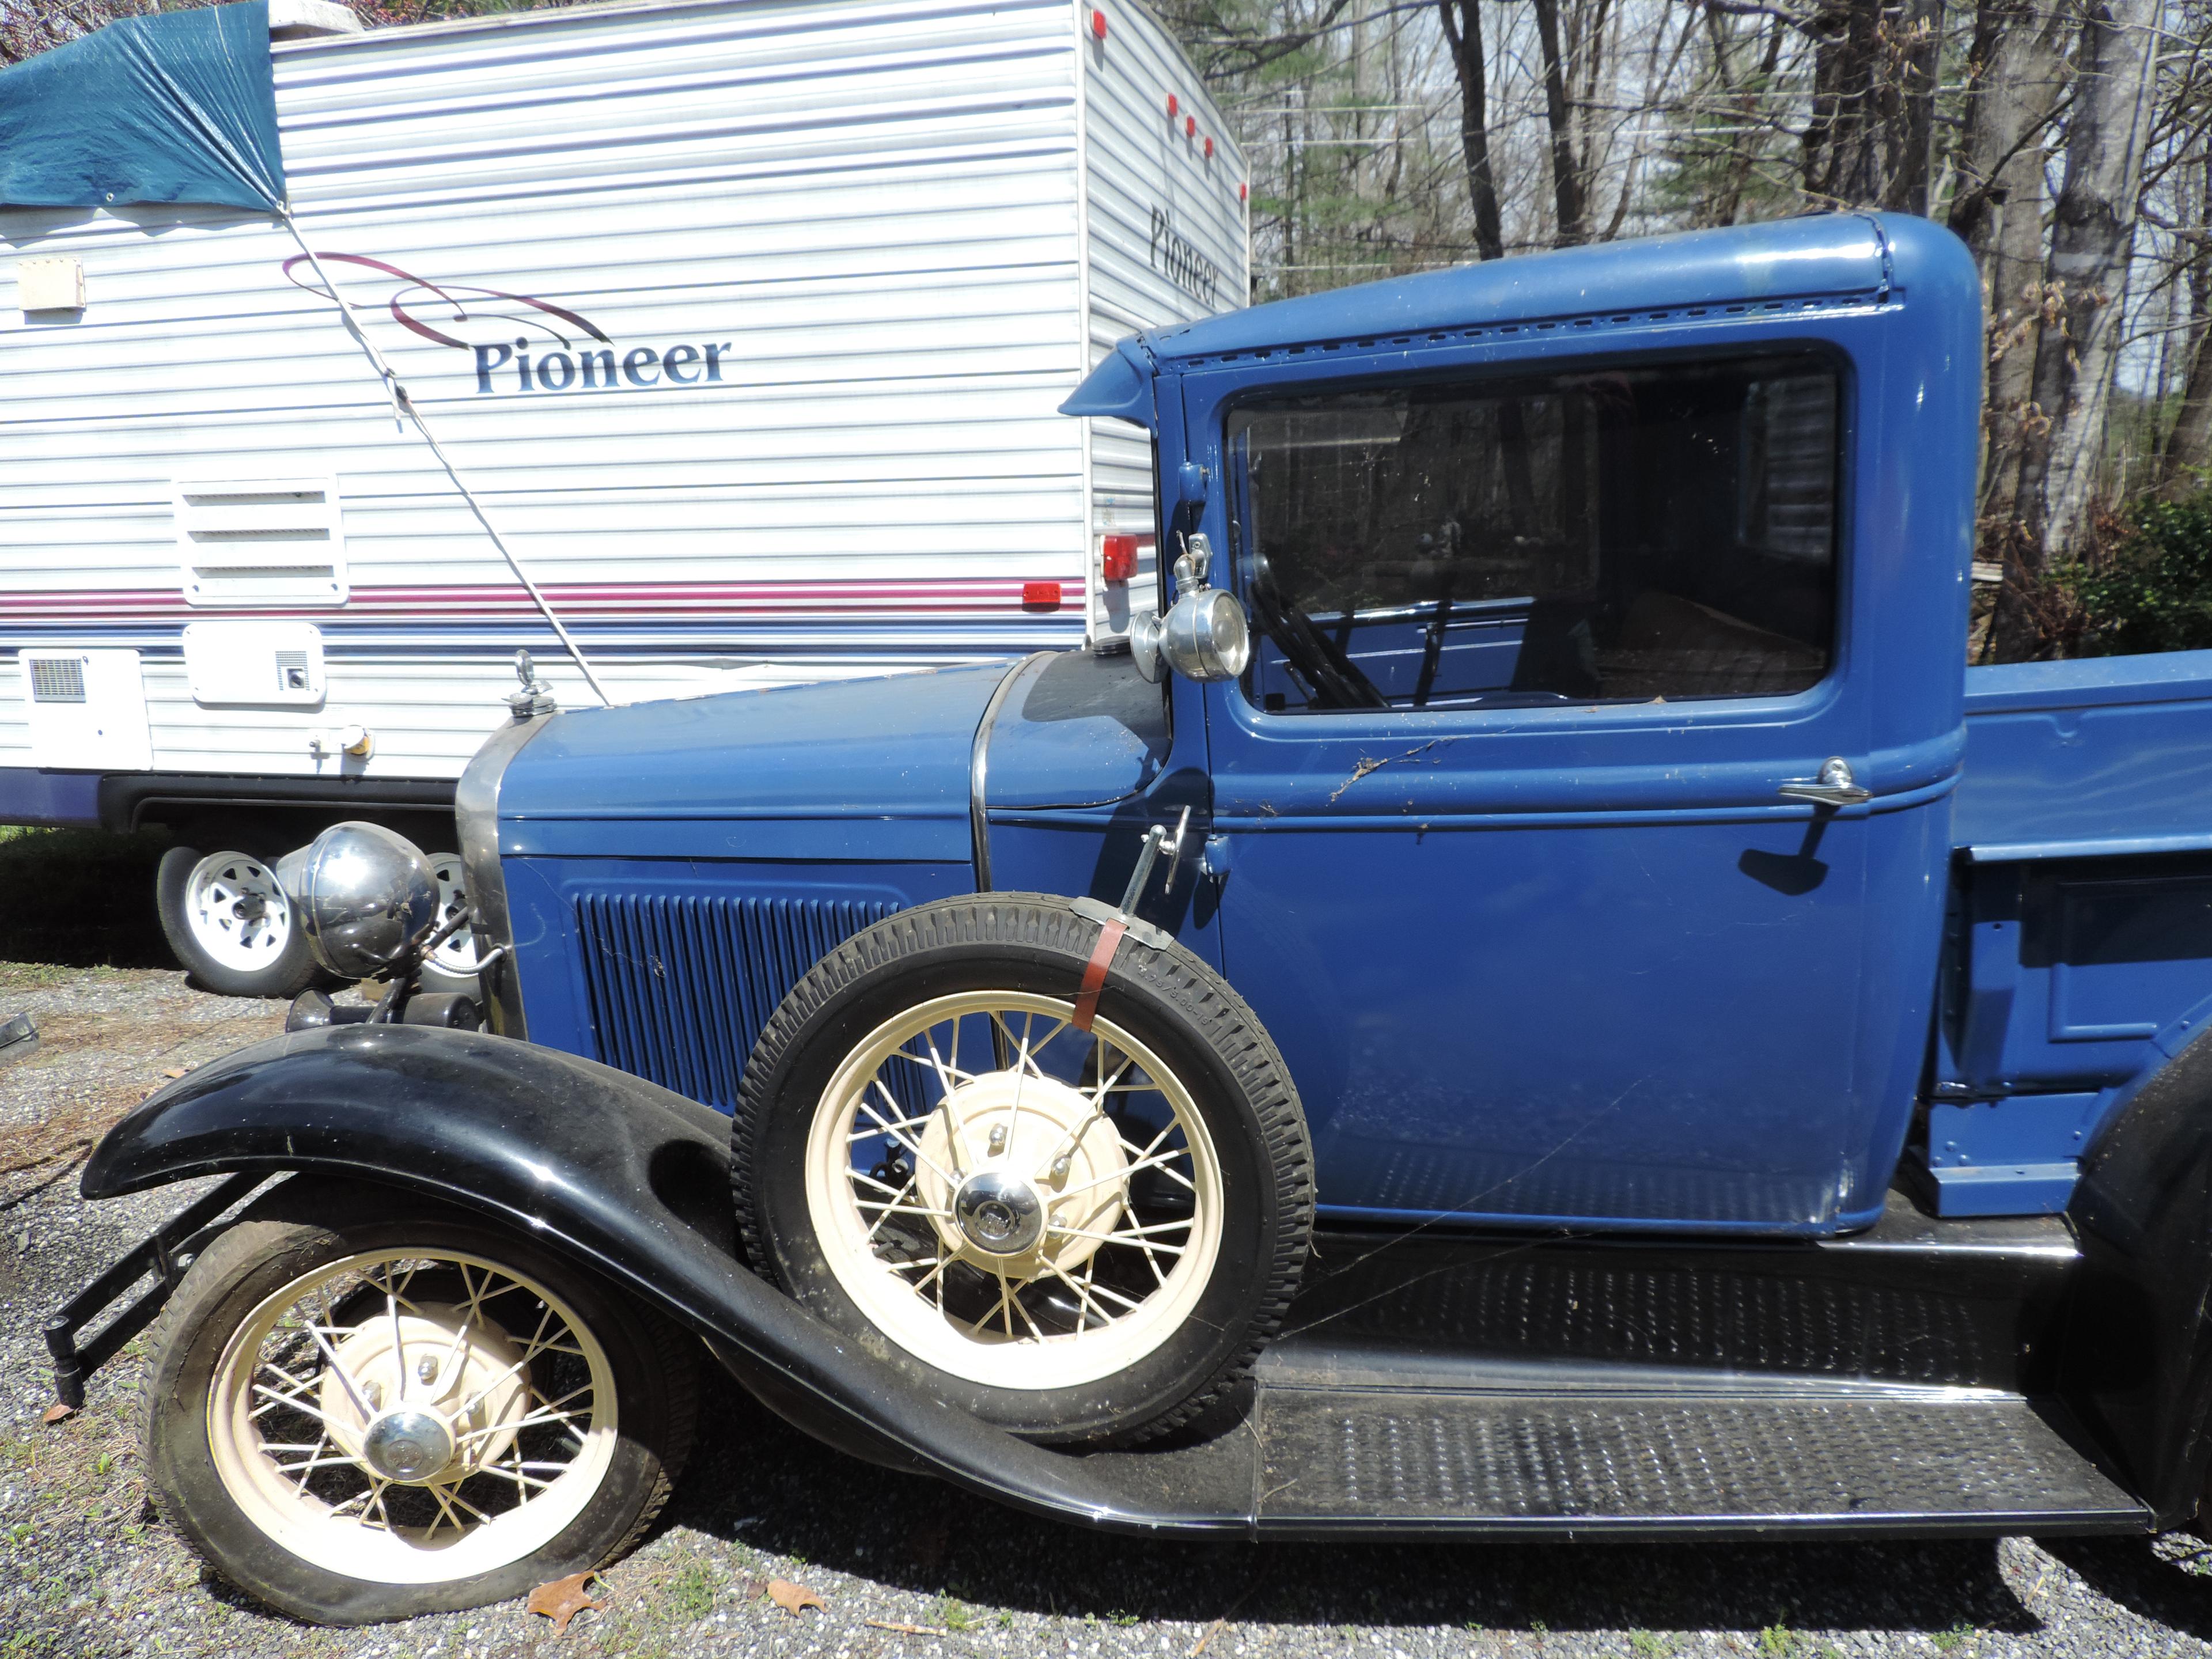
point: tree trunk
(1573, 227)
(2092, 224)
(2091, 227)
(2018, 75)
(1462, 22)
(2189, 448)
(1912, 134)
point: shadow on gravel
(79, 898)
(754, 1480)
(2129, 1571)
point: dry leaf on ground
(563, 1600)
(56, 1412)
(792, 1597)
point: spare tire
(1083, 1230)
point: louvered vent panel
(262, 541)
(56, 679)
(682, 984)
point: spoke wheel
(1084, 1236)
(415, 1419)
(1037, 1223)
(365, 1406)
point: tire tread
(1045, 921)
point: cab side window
(1616, 536)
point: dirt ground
(906, 1567)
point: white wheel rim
(236, 911)
(1126, 1237)
(521, 1389)
(458, 953)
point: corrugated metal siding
(876, 205)
(1138, 159)
(681, 985)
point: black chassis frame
(632, 1181)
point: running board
(1722, 1460)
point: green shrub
(2153, 592)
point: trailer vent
(249, 542)
(56, 679)
(681, 983)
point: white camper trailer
(744, 320)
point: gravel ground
(85, 1569)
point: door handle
(1835, 787)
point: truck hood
(859, 768)
(874, 769)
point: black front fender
(631, 1180)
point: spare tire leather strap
(1110, 934)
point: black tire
(304, 1224)
(289, 971)
(1167, 1000)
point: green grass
(689, 1593)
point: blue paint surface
(848, 768)
(30, 794)
(1560, 964)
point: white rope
(401, 403)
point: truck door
(1509, 871)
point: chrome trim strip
(979, 766)
(476, 814)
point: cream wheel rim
(412, 1417)
(1042, 1217)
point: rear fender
(2137, 1369)
(629, 1179)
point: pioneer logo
(524, 345)
(1177, 258)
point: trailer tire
(1137, 1189)
(199, 897)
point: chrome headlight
(365, 895)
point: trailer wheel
(452, 965)
(363, 1407)
(229, 923)
(1081, 1235)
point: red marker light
(1190, 126)
(1209, 149)
(1119, 560)
(1172, 106)
(1040, 596)
(1243, 193)
(1097, 33)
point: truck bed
(2108, 756)
(2079, 955)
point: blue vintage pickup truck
(1540, 996)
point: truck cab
(1567, 577)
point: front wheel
(1078, 1219)
(365, 1408)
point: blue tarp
(175, 107)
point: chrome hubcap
(408, 1446)
(999, 1212)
